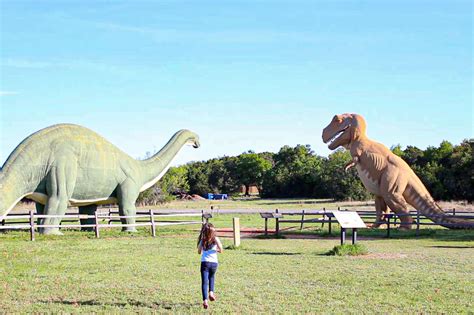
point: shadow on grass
(379, 234)
(269, 236)
(275, 253)
(134, 303)
(453, 246)
(435, 234)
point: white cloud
(226, 36)
(6, 93)
(64, 64)
(25, 63)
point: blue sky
(244, 75)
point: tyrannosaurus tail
(429, 208)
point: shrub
(348, 250)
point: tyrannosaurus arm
(352, 163)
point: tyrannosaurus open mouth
(336, 136)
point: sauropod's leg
(89, 210)
(39, 210)
(59, 187)
(127, 194)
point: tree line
(297, 172)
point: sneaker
(205, 304)
(212, 297)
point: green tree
(339, 184)
(412, 155)
(175, 180)
(460, 179)
(250, 170)
(198, 178)
(296, 173)
(397, 150)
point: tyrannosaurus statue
(384, 174)
(68, 164)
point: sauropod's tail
(11, 192)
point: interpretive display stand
(349, 220)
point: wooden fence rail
(369, 217)
(29, 221)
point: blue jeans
(208, 272)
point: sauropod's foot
(129, 229)
(51, 231)
(87, 229)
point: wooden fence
(326, 216)
(150, 218)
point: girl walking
(208, 246)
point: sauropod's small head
(196, 144)
(192, 138)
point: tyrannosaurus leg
(395, 184)
(380, 212)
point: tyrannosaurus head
(343, 129)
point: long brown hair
(207, 237)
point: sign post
(349, 220)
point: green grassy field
(137, 273)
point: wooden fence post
(32, 226)
(388, 225)
(454, 211)
(110, 216)
(236, 226)
(324, 217)
(417, 222)
(302, 219)
(277, 224)
(97, 225)
(152, 220)
(330, 225)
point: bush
(348, 250)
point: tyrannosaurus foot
(377, 225)
(404, 227)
